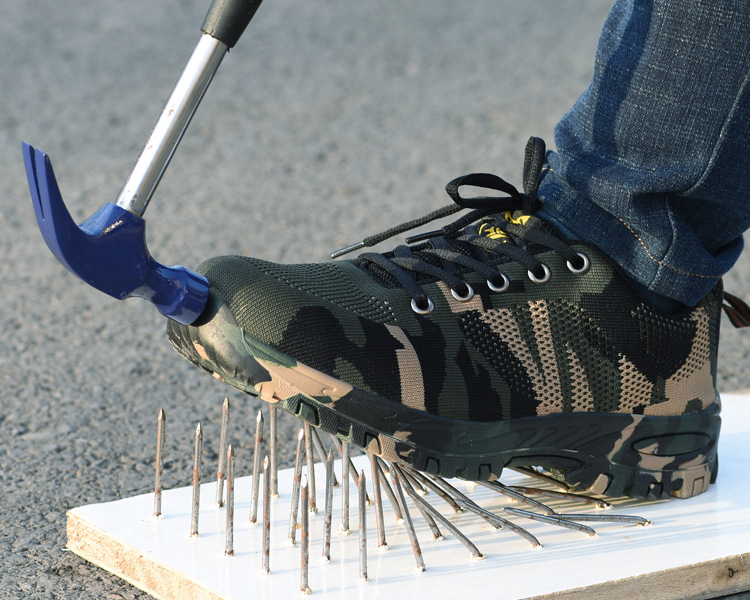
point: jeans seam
(660, 262)
(721, 139)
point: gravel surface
(331, 120)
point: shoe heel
(655, 458)
(650, 484)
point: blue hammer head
(108, 250)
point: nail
(505, 491)
(427, 507)
(229, 543)
(345, 488)
(389, 492)
(352, 469)
(274, 448)
(161, 434)
(550, 519)
(328, 507)
(266, 516)
(499, 522)
(455, 493)
(407, 520)
(256, 467)
(296, 481)
(416, 485)
(427, 484)
(310, 467)
(197, 456)
(362, 526)
(305, 540)
(378, 500)
(466, 503)
(529, 491)
(427, 516)
(222, 453)
(606, 518)
(322, 454)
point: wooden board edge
(710, 579)
(127, 562)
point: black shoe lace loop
(491, 182)
(459, 247)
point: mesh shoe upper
(580, 342)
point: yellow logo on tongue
(492, 232)
(495, 233)
(519, 220)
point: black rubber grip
(226, 20)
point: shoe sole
(648, 457)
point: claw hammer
(108, 250)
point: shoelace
(459, 247)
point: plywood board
(696, 548)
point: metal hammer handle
(225, 22)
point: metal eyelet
(502, 288)
(581, 270)
(465, 298)
(544, 278)
(423, 311)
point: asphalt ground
(331, 120)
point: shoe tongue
(517, 217)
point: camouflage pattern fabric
(449, 392)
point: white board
(698, 547)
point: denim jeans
(652, 161)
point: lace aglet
(420, 237)
(347, 249)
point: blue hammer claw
(108, 251)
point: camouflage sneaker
(491, 343)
